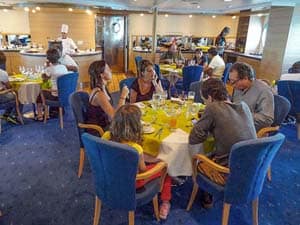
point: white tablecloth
(28, 93)
(176, 151)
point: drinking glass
(163, 97)
(155, 101)
(191, 97)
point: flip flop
(164, 210)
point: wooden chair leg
(19, 114)
(193, 196)
(61, 118)
(97, 212)
(255, 211)
(226, 210)
(46, 113)
(81, 162)
(130, 218)
(269, 174)
(155, 206)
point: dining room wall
(14, 22)
(46, 25)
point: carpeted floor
(39, 184)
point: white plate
(148, 129)
(140, 105)
(16, 79)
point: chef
(68, 44)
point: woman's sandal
(39, 118)
(164, 210)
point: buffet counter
(83, 59)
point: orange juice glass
(173, 122)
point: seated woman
(100, 110)
(146, 84)
(126, 128)
(222, 115)
(52, 72)
(200, 58)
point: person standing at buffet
(221, 41)
(68, 44)
(172, 55)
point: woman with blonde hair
(126, 128)
(146, 84)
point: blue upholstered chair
(66, 85)
(243, 181)
(137, 60)
(11, 104)
(128, 82)
(79, 102)
(225, 76)
(190, 74)
(281, 109)
(291, 89)
(114, 167)
(165, 83)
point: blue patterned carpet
(39, 184)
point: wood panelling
(12, 62)
(46, 24)
(276, 42)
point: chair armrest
(6, 91)
(210, 169)
(266, 130)
(92, 126)
(159, 167)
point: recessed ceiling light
(166, 15)
(233, 17)
(259, 14)
(198, 6)
(227, 0)
(38, 8)
(70, 10)
(26, 9)
(190, 16)
(142, 14)
(88, 12)
(214, 16)
(33, 11)
(5, 10)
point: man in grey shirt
(255, 93)
(228, 122)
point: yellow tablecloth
(170, 68)
(159, 120)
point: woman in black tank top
(100, 109)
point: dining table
(166, 139)
(27, 87)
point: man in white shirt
(67, 60)
(68, 44)
(216, 66)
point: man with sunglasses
(255, 93)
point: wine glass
(191, 97)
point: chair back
(195, 87)
(79, 102)
(137, 60)
(66, 85)
(114, 167)
(226, 72)
(248, 162)
(190, 74)
(128, 82)
(282, 107)
(157, 70)
(290, 89)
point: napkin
(178, 136)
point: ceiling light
(88, 12)
(190, 16)
(142, 14)
(198, 6)
(166, 15)
(38, 8)
(227, 0)
(214, 16)
(26, 9)
(233, 17)
(5, 10)
(259, 14)
(33, 11)
(70, 10)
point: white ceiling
(179, 6)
